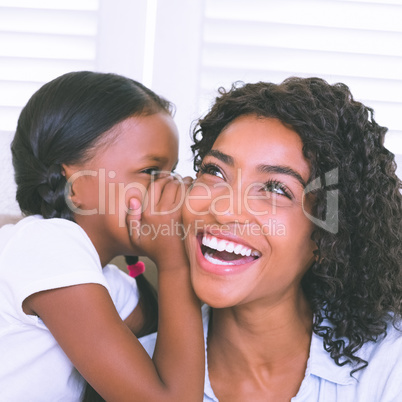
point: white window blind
(43, 39)
(352, 41)
(40, 40)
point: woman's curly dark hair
(356, 281)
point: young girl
(85, 153)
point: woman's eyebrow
(228, 160)
(282, 170)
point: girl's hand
(158, 229)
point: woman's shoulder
(387, 347)
(381, 353)
(384, 370)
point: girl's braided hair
(61, 124)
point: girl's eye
(211, 169)
(277, 188)
(151, 171)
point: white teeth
(221, 245)
(213, 243)
(231, 247)
(237, 249)
(213, 260)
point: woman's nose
(240, 203)
(228, 205)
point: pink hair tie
(136, 269)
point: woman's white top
(324, 381)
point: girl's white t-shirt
(40, 254)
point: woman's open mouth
(226, 252)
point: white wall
(177, 61)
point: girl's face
(249, 238)
(119, 171)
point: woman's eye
(278, 188)
(212, 170)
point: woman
(294, 242)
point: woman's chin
(215, 303)
(215, 295)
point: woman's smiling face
(249, 239)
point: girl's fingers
(171, 194)
(188, 180)
(135, 207)
(156, 189)
(133, 217)
(166, 192)
(165, 195)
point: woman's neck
(258, 345)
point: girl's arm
(85, 323)
(180, 341)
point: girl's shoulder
(36, 240)
(38, 222)
(39, 254)
(35, 227)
